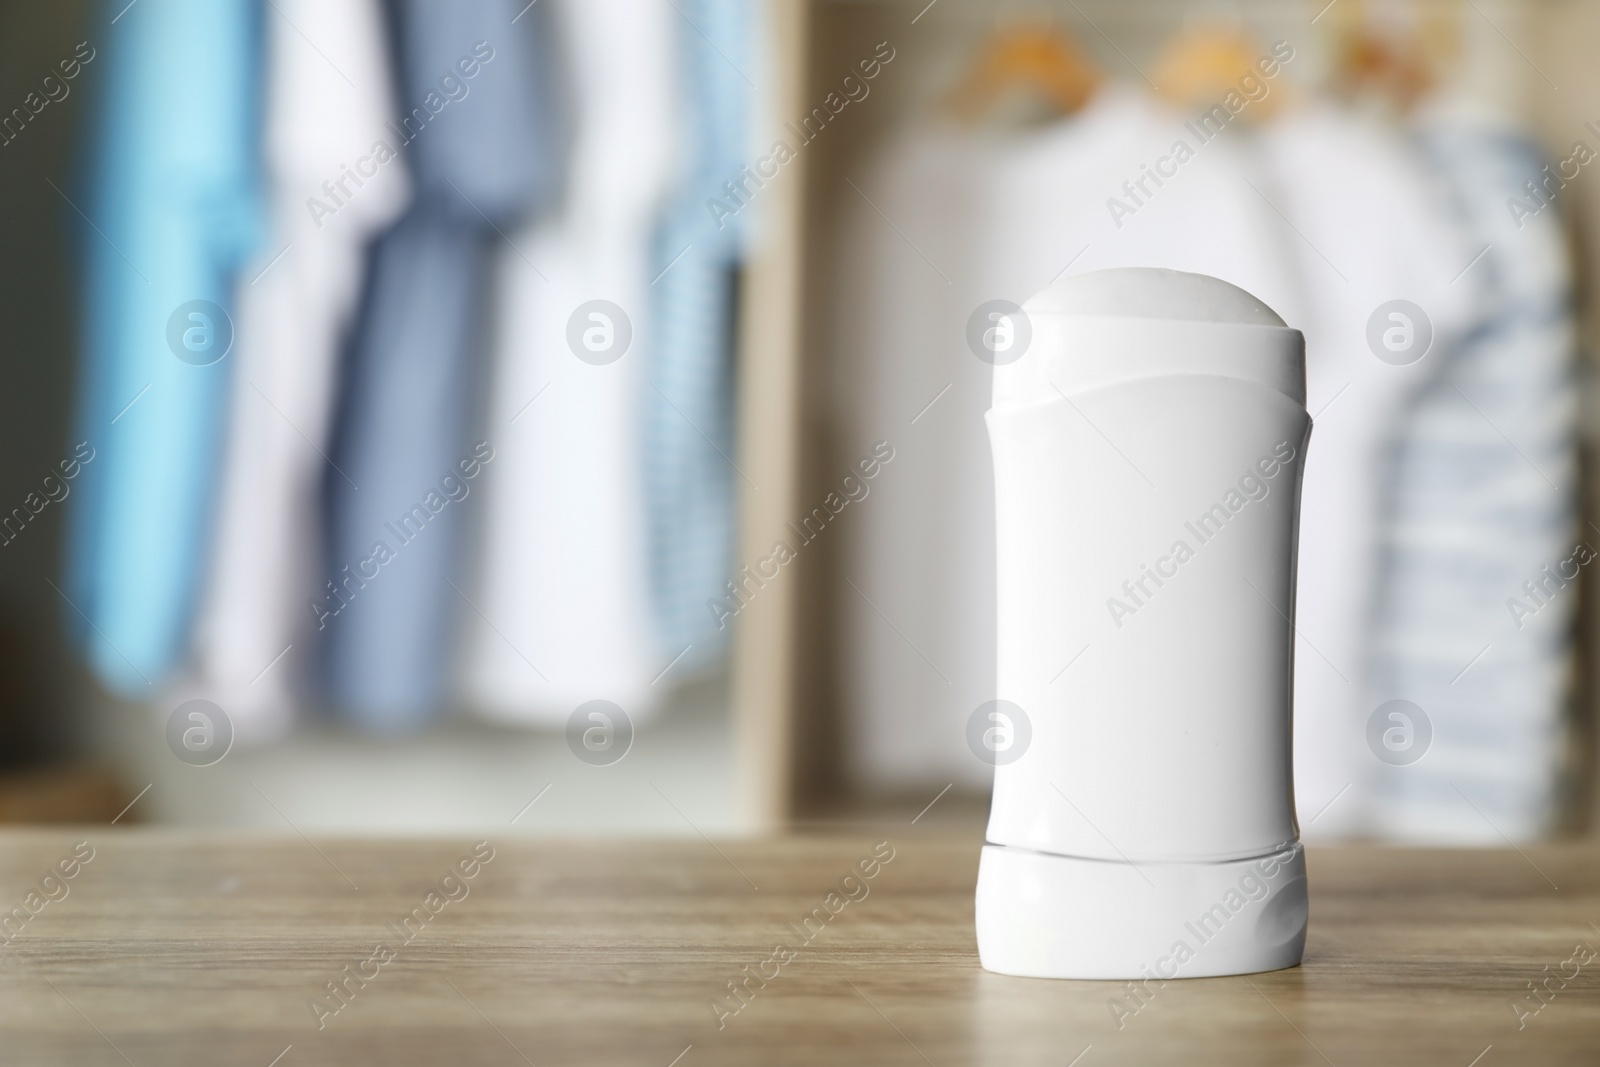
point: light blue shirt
(688, 403)
(169, 212)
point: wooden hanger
(1396, 66)
(1202, 64)
(1035, 58)
(1367, 64)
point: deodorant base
(1046, 916)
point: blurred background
(423, 416)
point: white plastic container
(1148, 448)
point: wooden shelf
(178, 948)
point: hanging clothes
(476, 132)
(334, 180)
(1482, 546)
(688, 401)
(1368, 229)
(561, 592)
(169, 214)
(977, 217)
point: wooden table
(175, 948)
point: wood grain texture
(179, 949)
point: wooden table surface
(168, 948)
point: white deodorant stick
(1148, 444)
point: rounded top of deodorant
(1137, 324)
(1152, 293)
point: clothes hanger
(1396, 65)
(1439, 36)
(1034, 58)
(1203, 63)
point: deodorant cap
(1152, 293)
(1097, 329)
